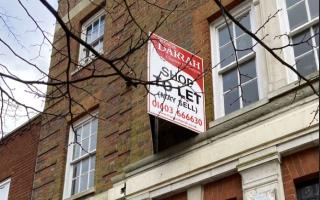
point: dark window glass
(291, 2)
(308, 190)
(314, 8)
(245, 21)
(224, 36)
(231, 101)
(305, 43)
(244, 42)
(230, 80)
(227, 55)
(306, 64)
(248, 71)
(250, 93)
(297, 15)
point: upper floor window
(235, 76)
(92, 33)
(81, 157)
(303, 19)
(4, 189)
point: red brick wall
(226, 188)
(297, 166)
(180, 196)
(17, 159)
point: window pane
(88, 34)
(94, 126)
(316, 34)
(101, 28)
(85, 146)
(84, 182)
(98, 45)
(308, 190)
(231, 101)
(248, 71)
(297, 15)
(245, 21)
(85, 166)
(306, 64)
(76, 151)
(95, 30)
(75, 186)
(78, 134)
(304, 41)
(250, 93)
(314, 8)
(291, 2)
(230, 80)
(76, 169)
(224, 36)
(86, 53)
(91, 179)
(244, 42)
(93, 142)
(86, 130)
(92, 163)
(226, 55)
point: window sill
(294, 85)
(238, 112)
(82, 194)
(84, 66)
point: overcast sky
(20, 32)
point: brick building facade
(18, 159)
(265, 150)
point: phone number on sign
(183, 115)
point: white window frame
(69, 163)
(285, 28)
(248, 6)
(83, 60)
(3, 184)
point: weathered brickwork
(226, 188)
(17, 159)
(299, 166)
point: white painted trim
(284, 28)
(4, 184)
(86, 118)
(261, 60)
(195, 193)
(292, 145)
(68, 175)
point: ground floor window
(308, 190)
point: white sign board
(177, 90)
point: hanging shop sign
(176, 92)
